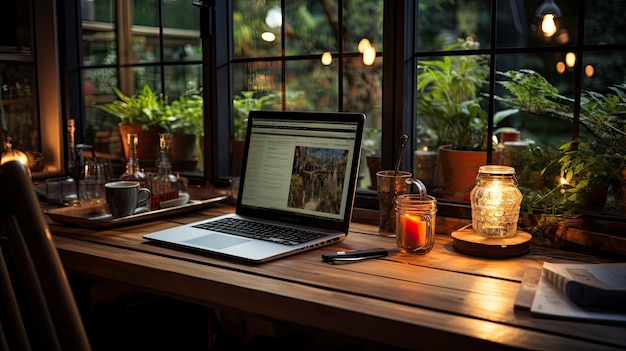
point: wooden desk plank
(470, 295)
(354, 315)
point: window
(542, 85)
(128, 45)
(305, 55)
(310, 55)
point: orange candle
(413, 232)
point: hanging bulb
(548, 27)
(548, 11)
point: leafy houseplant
(245, 102)
(449, 102)
(143, 114)
(185, 121)
(145, 109)
(589, 165)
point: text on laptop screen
(299, 166)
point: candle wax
(413, 230)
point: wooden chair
(37, 306)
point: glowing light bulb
(560, 67)
(268, 36)
(369, 56)
(570, 59)
(589, 71)
(364, 44)
(548, 27)
(327, 58)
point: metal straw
(403, 142)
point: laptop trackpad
(216, 241)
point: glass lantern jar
(495, 202)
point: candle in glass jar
(413, 230)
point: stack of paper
(592, 292)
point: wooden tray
(98, 217)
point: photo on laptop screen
(300, 171)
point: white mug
(124, 197)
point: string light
(327, 58)
(268, 36)
(369, 56)
(570, 59)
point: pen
(356, 255)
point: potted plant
(243, 103)
(143, 114)
(185, 121)
(588, 166)
(449, 103)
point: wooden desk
(443, 300)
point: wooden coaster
(469, 242)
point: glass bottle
(164, 186)
(133, 172)
(495, 202)
(72, 167)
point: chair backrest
(37, 310)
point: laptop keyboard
(262, 231)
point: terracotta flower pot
(459, 170)
(147, 146)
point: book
(527, 290)
(590, 285)
(551, 302)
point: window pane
(442, 22)
(363, 19)
(182, 80)
(311, 27)
(142, 37)
(545, 97)
(18, 115)
(252, 18)
(362, 92)
(311, 86)
(181, 32)
(98, 35)
(605, 22)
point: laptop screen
(301, 166)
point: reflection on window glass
(18, 117)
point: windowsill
(604, 235)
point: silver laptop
(299, 175)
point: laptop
(299, 174)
